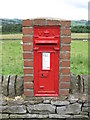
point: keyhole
(42, 75)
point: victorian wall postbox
(46, 55)
(46, 44)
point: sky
(28, 9)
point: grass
(79, 57)
(12, 57)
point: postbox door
(46, 82)
(46, 72)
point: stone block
(33, 100)
(81, 116)
(72, 98)
(41, 108)
(28, 116)
(73, 84)
(3, 101)
(60, 103)
(84, 113)
(14, 109)
(46, 101)
(15, 102)
(12, 86)
(86, 104)
(4, 116)
(56, 116)
(85, 109)
(5, 85)
(70, 109)
(19, 86)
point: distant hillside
(11, 26)
(15, 26)
(79, 23)
(11, 21)
(19, 21)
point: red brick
(65, 55)
(27, 22)
(66, 32)
(28, 92)
(68, 23)
(65, 85)
(65, 63)
(65, 79)
(28, 78)
(27, 47)
(64, 92)
(66, 39)
(27, 31)
(28, 71)
(65, 48)
(63, 23)
(27, 55)
(28, 85)
(27, 39)
(65, 71)
(39, 22)
(53, 22)
(28, 63)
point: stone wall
(74, 106)
(14, 105)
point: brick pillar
(65, 45)
(65, 57)
(28, 57)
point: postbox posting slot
(46, 42)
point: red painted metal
(46, 44)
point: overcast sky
(26, 9)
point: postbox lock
(42, 75)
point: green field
(12, 56)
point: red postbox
(46, 45)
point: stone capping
(65, 47)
